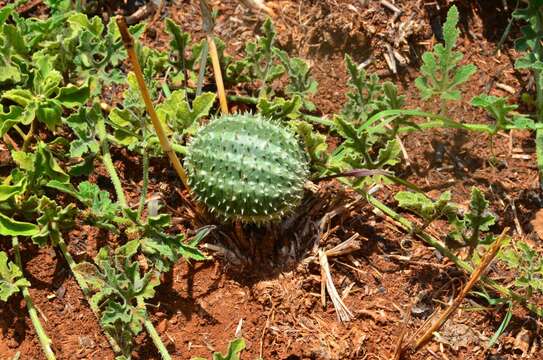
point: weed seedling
(441, 72)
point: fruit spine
(246, 168)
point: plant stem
(45, 341)
(154, 335)
(82, 284)
(438, 245)
(538, 75)
(539, 154)
(108, 163)
(208, 23)
(28, 137)
(145, 185)
(19, 131)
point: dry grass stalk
(162, 137)
(208, 28)
(346, 247)
(477, 273)
(258, 5)
(343, 313)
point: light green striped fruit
(246, 168)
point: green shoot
(11, 278)
(120, 291)
(234, 351)
(12, 281)
(467, 229)
(441, 74)
(527, 264)
(427, 209)
(503, 113)
(531, 43)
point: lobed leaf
(11, 278)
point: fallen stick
(208, 29)
(485, 262)
(161, 134)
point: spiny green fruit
(247, 168)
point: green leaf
(21, 97)
(450, 32)
(84, 125)
(46, 79)
(300, 81)
(11, 278)
(175, 111)
(315, 143)
(9, 191)
(15, 39)
(72, 96)
(424, 207)
(11, 227)
(389, 154)
(497, 107)
(279, 108)
(478, 217)
(49, 112)
(7, 120)
(463, 74)
(53, 220)
(440, 73)
(234, 351)
(46, 165)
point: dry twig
(162, 137)
(477, 273)
(208, 28)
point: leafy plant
(502, 112)
(53, 220)
(369, 140)
(314, 143)
(368, 96)
(97, 50)
(467, 229)
(424, 207)
(300, 81)
(362, 149)
(11, 278)
(258, 62)
(181, 117)
(161, 249)
(120, 291)
(441, 74)
(527, 264)
(100, 210)
(46, 99)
